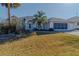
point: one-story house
(57, 24)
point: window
(60, 25)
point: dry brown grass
(42, 45)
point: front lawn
(42, 45)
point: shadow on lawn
(45, 32)
(12, 37)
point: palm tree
(39, 19)
(9, 6)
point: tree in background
(9, 6)
(39, 19)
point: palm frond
(12, 5)
(6, 5)
(16, 5)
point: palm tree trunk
(9, 17)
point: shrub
(51, 29)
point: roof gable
(74, 19)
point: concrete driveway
(75, 32)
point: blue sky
(60, 10)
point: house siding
(71, 25)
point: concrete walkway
(75, 32)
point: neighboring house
(16, 21)
(13, 21)
(75, 21)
